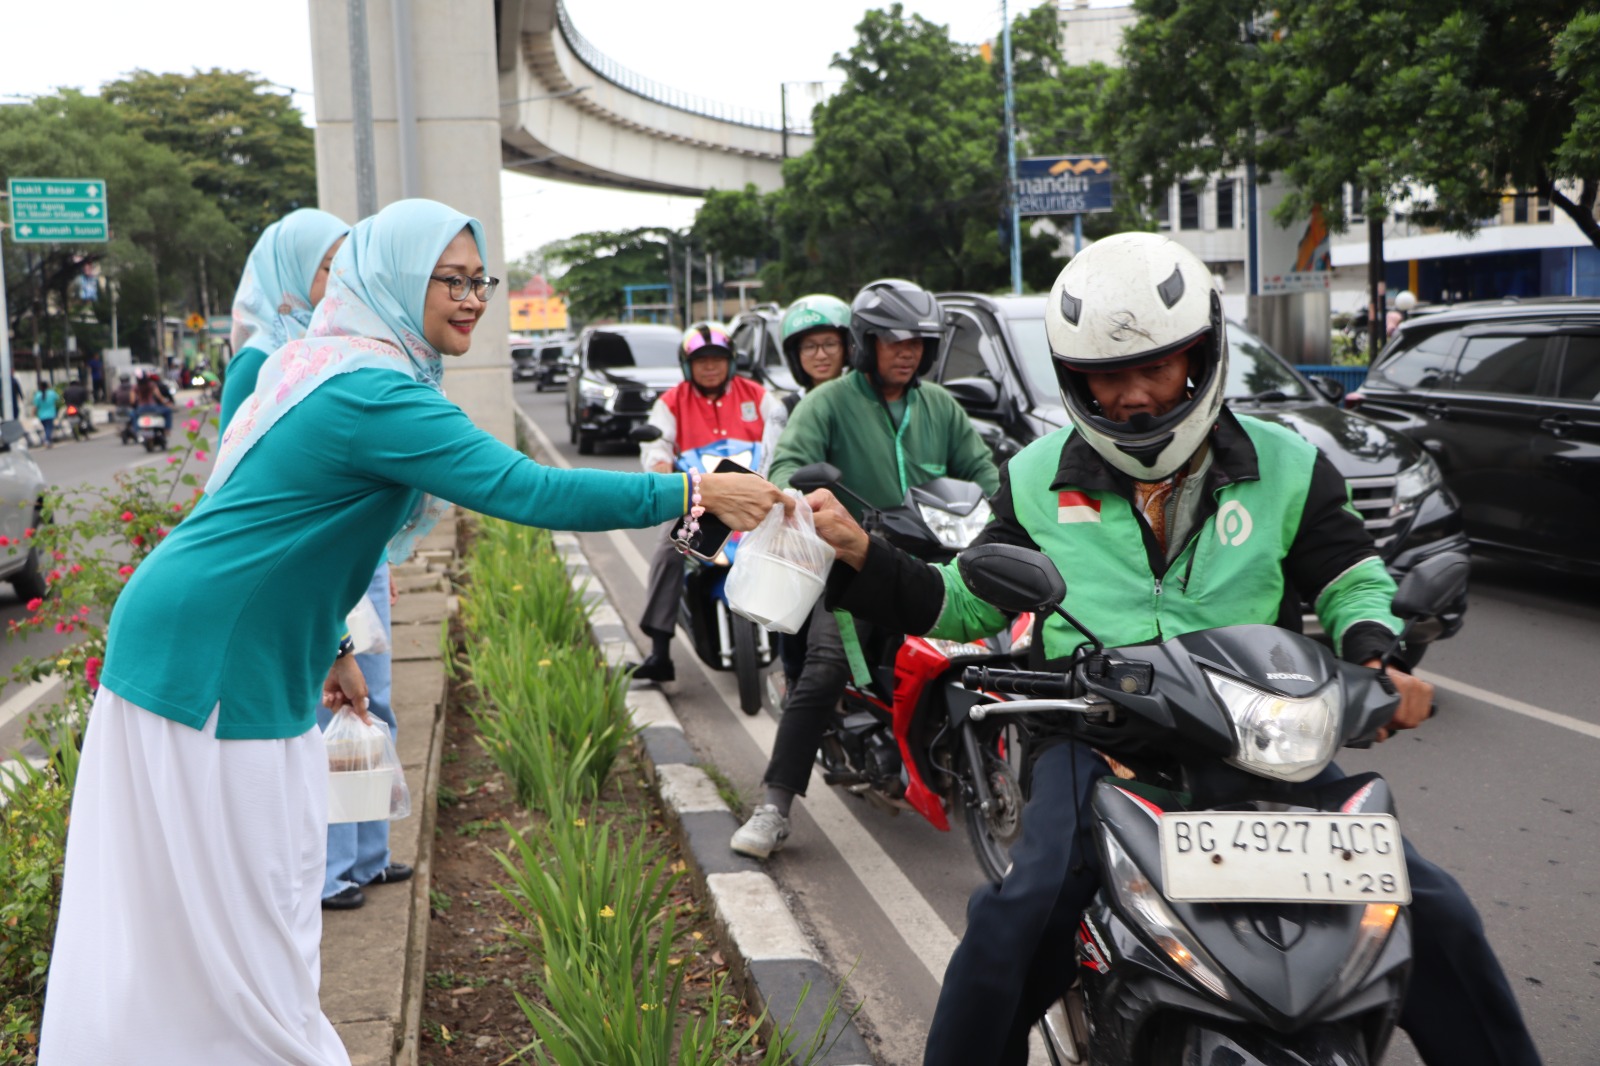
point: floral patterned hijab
(273, 304)
(369, 318)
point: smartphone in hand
(714, 532)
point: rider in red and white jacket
(713, 414)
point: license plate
(149, 421)
(1233, 856)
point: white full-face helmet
(1123, 302)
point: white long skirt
(191, 920)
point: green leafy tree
(1436, 107)
(738, 224)
(594, 267)
(246, 147)
(161, 225)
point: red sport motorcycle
(904, 740)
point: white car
(22, 486)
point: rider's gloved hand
(1416, 700)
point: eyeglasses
(830, 346)
(460, 285)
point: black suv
(996, 362)
(1506, 398)
(758, 347)
(620, 371)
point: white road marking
(24, 699)
(1494, 699)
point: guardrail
(1350, 377)
(620, 76)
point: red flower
(127, 516)
(5, 542)
(75, 568)
(91, 671)
(35, 603)
(30, 531)
(53, 576)
(160, 532)
(124, 571)
(62, 627)
(83, 612)
(59, 556)
(137, 539)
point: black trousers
(805, 713)
(1016, 957)
(664, 590)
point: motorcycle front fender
(1203, 1044)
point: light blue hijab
(273, 304)
(370, 317)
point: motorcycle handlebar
(1043, 684)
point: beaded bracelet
(691, 521)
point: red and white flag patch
(1077, 507)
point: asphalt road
(1500, 789)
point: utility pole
(1011, 157)
(361, 111)
(783, 110)
(405, 106)
(8, 411)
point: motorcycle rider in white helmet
(1166, 513)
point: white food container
(775, 593)
(359, 795)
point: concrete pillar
(456, 96)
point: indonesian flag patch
(1076, 507)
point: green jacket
(1277, 516)
(845, 422)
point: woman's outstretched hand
(740, 500)
(836, 526)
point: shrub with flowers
(92, 539)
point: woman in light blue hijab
(190, 913)
(283, 281)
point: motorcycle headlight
(1415, 482)
(1142, 904)
(953, 530)
(1276, 736)
(596, 393)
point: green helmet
(818, 311)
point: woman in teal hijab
(190, 915)
(283, 281)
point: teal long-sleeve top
(240, 382)
(240, 608)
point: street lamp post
(1011, 156)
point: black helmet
(895, 310)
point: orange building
(535, 308)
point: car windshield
(612, 351)
(1254, 370)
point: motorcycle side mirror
(815, 476)
(1012, 578)
(644, 433)
(1432, 585)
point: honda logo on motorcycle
(1233, 523)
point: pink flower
(124, 571)
(189, 404)
(35, 603)
(127, 516)
(53, 576)
(62, 627)
(5, 541)
(172, 459)
(59, 556)
(201, 456)
(160, 531)
(75, 568)
(30, 531)
(193, 425)
(91, 671)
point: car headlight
(1276, 736)
(1415, 482)
(1141, 903)
(595, 393)
(953, 530)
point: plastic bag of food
(779, 569)
(366, 629)
(365, 781)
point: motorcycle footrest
(831, 778)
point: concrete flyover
(571, 113)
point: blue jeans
(359, 851)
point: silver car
(22, 486)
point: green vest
(1229, 573)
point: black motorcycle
(903, 740)
(1244, 917)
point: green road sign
(69, 210)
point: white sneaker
(763, 834)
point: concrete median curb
(781, 967)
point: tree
(1434, 106)
(595, 267)
(161, 226)
(246, 147)
(738, 224)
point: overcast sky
(734, 50)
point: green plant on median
(597, 896)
